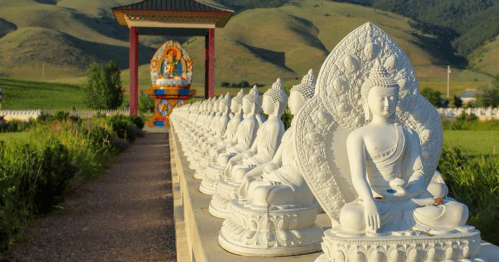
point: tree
(488, 95)
(146, 103)
(103, 87)
(458, 102)
(433, 96)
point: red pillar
(134, 80)
(209, 78)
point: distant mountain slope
(467, 24)
(257, 45)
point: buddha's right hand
(371, 216)
(243, 189)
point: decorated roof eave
(220, 18)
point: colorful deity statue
(171, 76)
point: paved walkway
(126, 216)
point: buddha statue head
(237, 102)
(302, 92)
(217, 105)
(379, 93)
(252, 102)
(224, 104)
(275, 99)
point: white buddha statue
(262, 150)
(276, 189)
(368, 144)
(279, 181)
(241, 141)
(247, 130)
(388, 173)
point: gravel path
(126, 216)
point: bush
(225, 84)
(123, 127)
(469, 118)
(137, 121)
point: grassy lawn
(473, 141)
(15, 135)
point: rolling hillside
(257, 45)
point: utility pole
(43, 70)
(448, 80)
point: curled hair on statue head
(278, 96)
(378, 78)
(307, 86)
(254, 98)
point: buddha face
(234, 106)
(222, 107)
(268, 105)
(247, 106)
(383, 101)
(295, 102)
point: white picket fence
(483, 114)
(25, 115)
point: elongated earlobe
(367, 113)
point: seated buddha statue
(236, 119)
(279, 182)
(388, 171)
(262, 150)
(246, 131)
(268, 137)
(279, 191)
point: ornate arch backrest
(325, 122)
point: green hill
(257, 45)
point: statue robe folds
(404, 161)
(267, 141)
(287, 175)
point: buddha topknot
(307, 85)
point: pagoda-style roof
(193, 14)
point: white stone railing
(482, 113)
(25, 115)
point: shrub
(137, 121)
(123, 127)
(488, 95)
(469, 118)
(61, 115)
(225, 84)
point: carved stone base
(283, 231)
(226, 191)
(211, 178)
(461, 245)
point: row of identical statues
(363, 144)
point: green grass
(20, 94)
(484, 142)
(17, 135)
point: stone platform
(197, 231)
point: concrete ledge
(197, 231)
